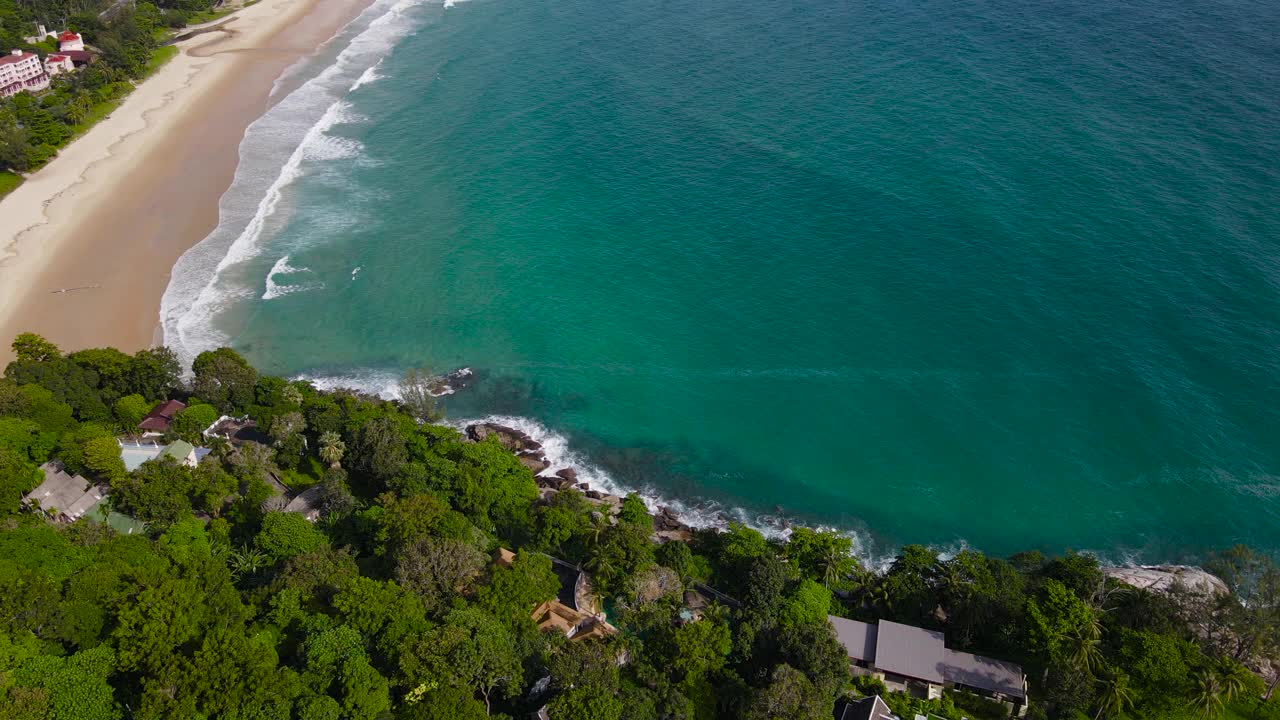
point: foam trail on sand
(208, 279)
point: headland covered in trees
(417, 579)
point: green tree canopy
(224, 379)
(285, 535)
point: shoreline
(555, 470)
(106, 220)
(697, 512)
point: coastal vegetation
(398, 602)
(129, 38)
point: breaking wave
(283, 268)
(209, 278)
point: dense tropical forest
(392, 605)
(127, 35)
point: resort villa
(21, 71)
(68, 40)
(64, 496)
(916, 661)
(58, 63)
(135, 453)
(575, 612)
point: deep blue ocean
(995, 273)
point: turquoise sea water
(993, 272)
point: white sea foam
(369, 76)
(282, 268)
(383, 383)
(208, 279)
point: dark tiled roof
(910, 651)
(858, 638)
(984, 673)
(922, 654)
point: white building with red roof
(21, 71)
(58, 63)
(68, 40)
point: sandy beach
(87, 242)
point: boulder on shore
(554, 481)
(510, 438)
(568, 474)
(667, 520)
(1162, 578)
(534, 461)
(665, 536)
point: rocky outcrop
(450, 383)
(1162, 578)
(568, 474)
(510, 438)
(666, 520)
(554, 482)
(527, 450)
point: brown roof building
(573, 624)
(161, 417)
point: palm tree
(600, 564)
(1209, 693)
(1116, 696)
(1082, 648)
(878, 595)
(79, 107)
(832, 564)
(332, 448)
(1233, 677)
(246, 562)
(599, 523)
(949, 580)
